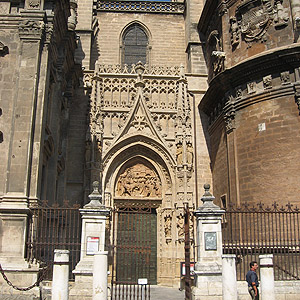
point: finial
(95, 197)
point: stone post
(60, 281)
(100, 276)
(94, 216)
(208, 269)
(267, 284)
(229, 283)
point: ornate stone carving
(168, 227)
(255, 16)
(281, 17)
(30, 29)
(142, 6)
(251, 87)
(180, 227)
(139, 181)
(267, 82)
(217, 54)
(239, 93)
(189, 153)
(234, 30)
(229, 115)
(285, 77)
(179, 154)
(48, 33)
(34, 4)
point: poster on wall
(92, 245)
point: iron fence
(251, 231)
(54, 227)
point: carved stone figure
(234, 28)
(285, 77)
(267, 82)
(179, 154)
(138, 181)
(168, 226)
(189, 154)
(281, 18)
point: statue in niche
(189, 153)
(179, 154)
(168, 226)
(180, 226)
(138, 181)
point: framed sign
(182, 269)
(210, 239)
(92, 245)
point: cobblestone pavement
(166, 293)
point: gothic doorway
(137, 195)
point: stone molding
(141, 6)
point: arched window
(135, 45)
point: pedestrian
(252, 280)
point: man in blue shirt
(252, 280)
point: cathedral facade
(152, 100)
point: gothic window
(135, 45)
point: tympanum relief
(138, 181)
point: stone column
(94, 216)
(60, 281)
(267, 284)
(229, 283)
(100, 276)
(208, 269)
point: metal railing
(251, 231)
(54, 227)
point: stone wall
(166, 37)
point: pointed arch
(135, 44)
(139, 149)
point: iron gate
(54, 227)
(134, 250)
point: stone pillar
(229, 283)
(100, 276)
(267, 284)
(94, 216)
(208, 269)
(60, 281)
